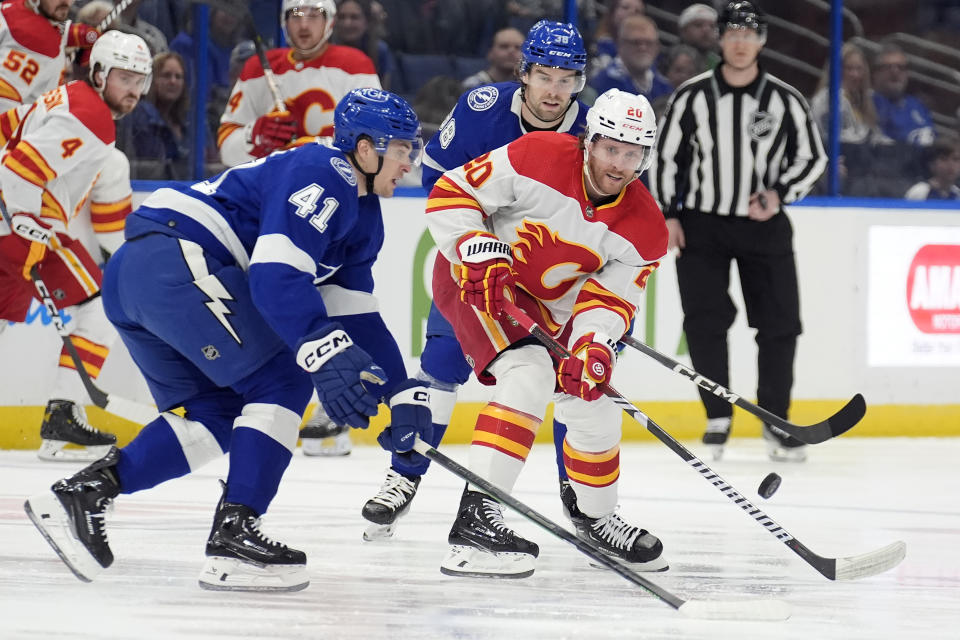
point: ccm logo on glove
(313, 355)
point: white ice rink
(853, 496)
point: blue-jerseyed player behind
(490, 116)
(224, 295)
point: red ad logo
(933, 288)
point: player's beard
(60, 12)
(122, 107)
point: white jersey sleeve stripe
(278, 248)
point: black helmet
(742, 14)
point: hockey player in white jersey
(53, 151)
(214, 294)
(564, 229)
(33, 37)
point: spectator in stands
(433, 102)
(357, 26)
(225, 32)
(900, 115)
(943, 163)
(165, 15)
(858, 116)
(130, 22)
(523, 14)
(155, 136)
(504, 57)
(450, 27)
(604, 48)
(678, 64)
(633, 69)
(698, 28)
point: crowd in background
(431, 51)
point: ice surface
(854, 495)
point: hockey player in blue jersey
(225, 294)
(488, 117)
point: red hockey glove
(82, 35)
(590, 366)
(485, 277)
(272, 131)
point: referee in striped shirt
(735, 144)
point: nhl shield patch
(761, 125)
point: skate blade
(784, 454)
(55, 451)
(230, 574)
(716, 451)
(656, 565)
(379, 532)
(336, 446)
(471, 562)
(53, 523)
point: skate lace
(254, 526)
(80, 418)
(394, 491)
(617, 532)
(493, 511)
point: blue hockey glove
(343, 374)
(409, 417)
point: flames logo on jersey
(547, 265)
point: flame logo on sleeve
(548, 265)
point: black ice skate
(321, 436)
(389, 505)
(70, 516)
(483, 546)
(569, 499)
(715, 436)
(636, 546)
(241, 558)
(65, 422)
(782, 447)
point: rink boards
(880, 302)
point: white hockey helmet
(117, 50)
(624, 117)
(328, 7)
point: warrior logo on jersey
(761, 125)
(547, 265)
(447, 132)
(482, 98)
(344, 169)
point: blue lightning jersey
(485, 119)
(293, 222)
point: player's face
(740, 47)
(398, 160)
(548, 91)
(56, 9)
(613, 164)
(305, 26)
(123, 90)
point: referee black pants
(763, 252)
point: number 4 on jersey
(306, 202)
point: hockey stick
(258, 45)
(703, 609)
(128, 409)
(116, 11)
(839, 423)
(849, 568)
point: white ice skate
(321, 436)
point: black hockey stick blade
(760, 610)
(837, 424)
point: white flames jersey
(587, 264)
(101, 218)
(32, 59)
(311, 90)
(53, 151)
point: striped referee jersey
(718, 144)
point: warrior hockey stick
(849, 568)
(128, 409)
(837, 424)
(704, 609)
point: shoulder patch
(344, 169)
(482, 98)
(447, 133)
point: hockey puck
(769, 485)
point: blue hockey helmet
(379, 115)
(554, 44)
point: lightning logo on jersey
(210, 285)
